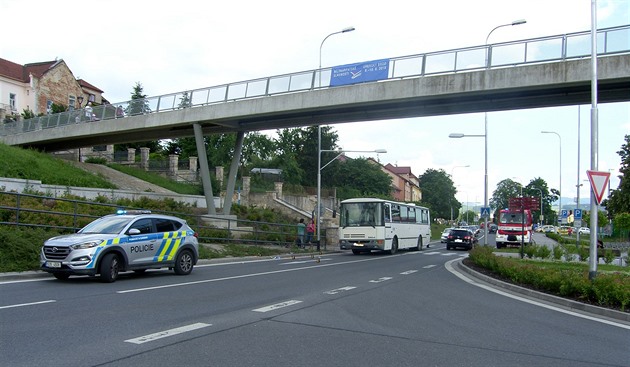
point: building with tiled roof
(36, 86)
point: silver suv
(121, 242)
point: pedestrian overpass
(541, 72)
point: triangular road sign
(599, 182)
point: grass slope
(29, 164)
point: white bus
(368, 224)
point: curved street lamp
(485, 177)
(319, 179)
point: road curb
(567, 303)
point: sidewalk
(121, 180)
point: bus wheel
(394, 246)
(419, 245)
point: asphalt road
(408, 309)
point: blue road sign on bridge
(369, 71)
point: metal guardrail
(568, 46)
(69, 215)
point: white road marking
(339, 290)
(429, 266)
(28, 304)
(431, 253)
(277, 306)
(167, 333)
(408, 272)
(379, 280)
(450, 268)
(305, 261)
(249, 275)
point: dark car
(460, 237)
(492, 228)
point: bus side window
(386, 213)
(395, 213)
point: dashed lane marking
(379, 280)
(277, 306)
(408, 272)
(27, 304)
(339, 290)
(429, 266)
(167, 333)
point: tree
(505, 190)
(619, 199)
(508, 188)
(532, 190)
(438, 193)
(137, 106)
(361, 178)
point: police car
(128, 240)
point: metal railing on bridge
(570, 46)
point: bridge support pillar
(203, 167)
(238, 149)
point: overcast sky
(175, 46)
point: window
(12, 101)
(395, 213)
(91, 98)
(165, 225)
(143, 225)
(71, 102)
(49, 104)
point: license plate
(458, 240)
(53, 264)
(358, 244)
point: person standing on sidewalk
(301, 228)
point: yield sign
(599, 181)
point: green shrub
(529, 251)
(609, 256)
(543, 252)
(557, 252)
(566, 280)
(583, 253)
(20, 247)
(96, 160)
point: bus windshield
(512, 218)
(361, 214)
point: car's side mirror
(133, 231)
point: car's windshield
(361, 214)
(109, 225)
(511, 218)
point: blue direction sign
(577, 213)
(485, 212)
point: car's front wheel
(184, 263)
(110, 266)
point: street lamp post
(319, 131)
(516, 22)
(453, 169)
(485, 179)
(560, 154)
(319, 179)
(540, 218)
(345, 30)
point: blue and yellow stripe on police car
(169, 246)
